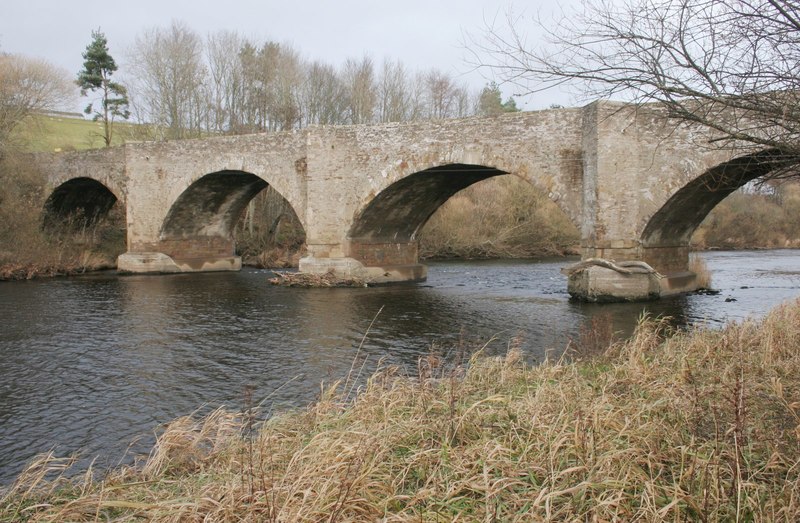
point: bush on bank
(502, 217)
(703, 425)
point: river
(97, 363)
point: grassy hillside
(43, 132)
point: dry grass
(700, 426)
(753, 221)
(503, 217)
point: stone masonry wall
(609, 166)
(106, 166)
(349, 166)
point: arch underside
(201, 223)
(674, 224)
(385, 232)
(78, 202)
(211, 206)
(401, 210)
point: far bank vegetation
(765, 217)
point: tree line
(184, 85)
(227, 83)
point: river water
(97, 363)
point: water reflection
(94, 362)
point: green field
(53, 133)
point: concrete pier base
(160, 263)
(352, 268)
(603, 285)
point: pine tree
(491, 103)
(98, 67)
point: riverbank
(702, 425)
(19, 271)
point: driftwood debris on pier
(622, 267)
(301, 279)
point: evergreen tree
(98, 67)
(491, 103)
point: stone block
(602, 285)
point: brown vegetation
(767, 219)
(329, 279)
(269, 233)
(666, 426)
(27, 86)
(503, 217)
(27, 250)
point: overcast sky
(421, 33)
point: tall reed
(701, 425)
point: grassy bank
(53, 133)
(695, 426)
(753, 221)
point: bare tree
(170, 72)
(273, 77)
(323, 100)
(445, 98)
(28, 85)
(729, 65)
(226, 81)
(393, 92)
(464, 102)
(289, 80)
(359, 80)
(417, 98)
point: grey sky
(421, 33)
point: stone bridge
(634, 183)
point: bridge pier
(601, 284)
(198, 254)
(374, 261)
(160, 263)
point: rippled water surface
(97, 362)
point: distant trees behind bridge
(187, 85)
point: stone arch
(80, 201)
(675, 222)
(211, 205)
(402, 209)
(201, 221)
(385, 231)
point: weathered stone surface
(599, 284)
(634, 182)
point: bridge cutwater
(634, 182)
